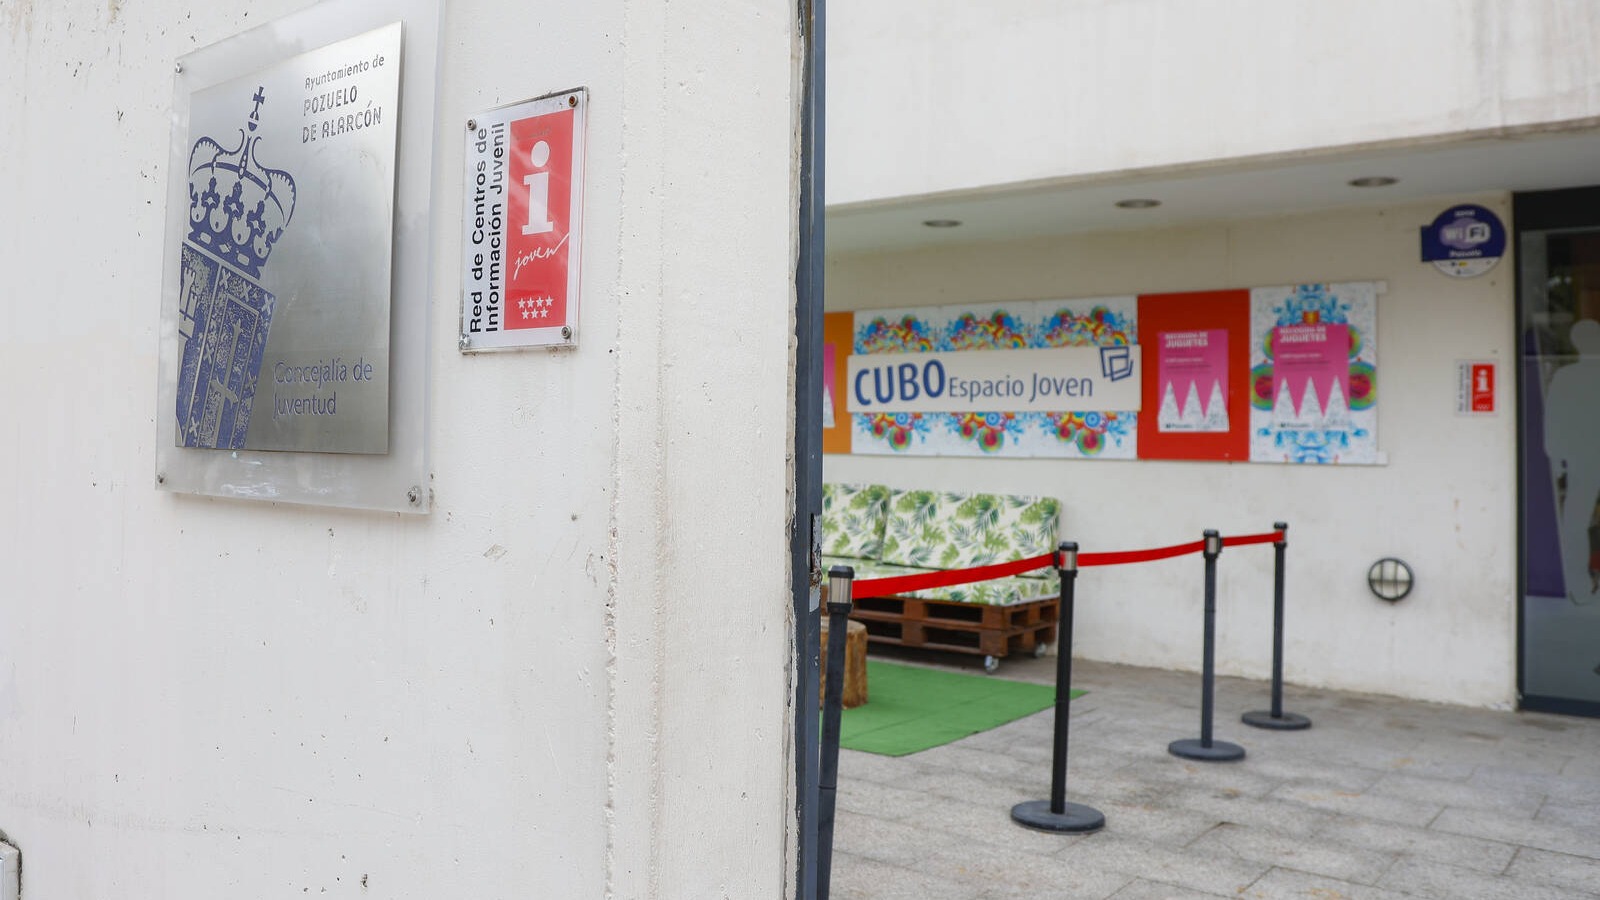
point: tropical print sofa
(882, 532)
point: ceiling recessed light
(1139, 203)
(1373, 181)
(942, 223)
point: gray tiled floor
(1380, 799)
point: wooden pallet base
(996, 631)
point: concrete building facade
(576, 675)
(1248, 125)
(532, 690)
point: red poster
(1223, 317)
(540, 225)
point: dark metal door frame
(803, 540)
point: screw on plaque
(572, 101)
(566, 332)
(472, 124)
(466, 341)
(414, 495)
(161, 478)
(178, 68)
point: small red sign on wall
(523, 229)
(1475, 388)
(541, 202)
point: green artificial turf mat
(910, 708)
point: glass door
(1559, 417)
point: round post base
(1262, 718)
(1075, 818)
(1219, 751)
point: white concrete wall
(1444, 503)
(536, 690)
(929, 96)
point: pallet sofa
(881, 532)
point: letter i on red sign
(541, 208)
(1483, 387)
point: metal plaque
(523, 224)
(296, 285)
(284, 293)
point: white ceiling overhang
(1224, 190)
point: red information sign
(1483, 387)
(524, 203)
(1475, 388)
(541, 206)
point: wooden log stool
(855, 664)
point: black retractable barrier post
(1205, 749)
(839, 586)
(1056, 814)
(1276, 718)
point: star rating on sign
(536, 307)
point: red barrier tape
(868, 588)
(1271, 537)
(1133, 556)
(900, 584)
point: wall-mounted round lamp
(1390, 579)
(942, 223)
(1372, 181)
(1138, 203)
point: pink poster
(1193, 370)
(1313, 361)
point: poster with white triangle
(1193, 369)
(1313, 376)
